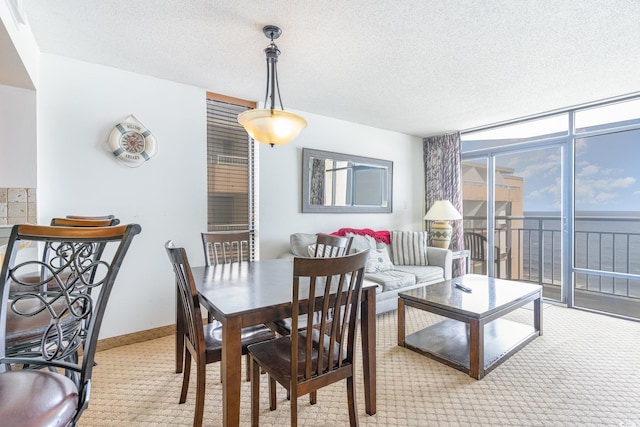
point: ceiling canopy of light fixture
(270, 125)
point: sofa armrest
(441, 258)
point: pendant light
(270, 125)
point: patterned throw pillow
(409, 247)
(378, 261)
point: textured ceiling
(419, 67)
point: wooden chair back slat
(226, 247)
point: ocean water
(608, 242)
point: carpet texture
(583, 371)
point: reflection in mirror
(342, 183)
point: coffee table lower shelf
(448, 342)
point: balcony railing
(531, 250)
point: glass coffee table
(474, 338)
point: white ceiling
(420, 67)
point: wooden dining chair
(220, 247)
(202, 342)
(319, 354)
(327, 246)
(224, 247)
(50, 382)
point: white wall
(19, 52)
(17, 137)
(78, 105)
(281, 179)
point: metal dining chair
(49, 382)
(320, 353)
(202, 342)
(32, 278)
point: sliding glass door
(526, 226)
(562, 194)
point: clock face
(132, 142)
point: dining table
(257, 292)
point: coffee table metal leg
(476, 349)
(401, 322)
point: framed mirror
(343, 183)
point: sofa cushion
(378, 261)
(300, 243)
(409, 247)
(361, 243)
(392, 279)
(424, 274)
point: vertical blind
(230, 169)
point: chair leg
(186, 372)
(294, 405)
(353, 407)
(272, 394)
(255, 393)
(201, 378)
(248, 374)
(313, 397)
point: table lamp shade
(441, 213)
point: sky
(606, 170)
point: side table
(466, 254)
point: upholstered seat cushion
(392, 279)
(424, 274)
(36, 398)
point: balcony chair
(202, 342)
(54, 384)
(477, 244)
(319, 354)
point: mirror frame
(307, 207)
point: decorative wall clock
(132, 143)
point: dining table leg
(231, 370)
(368, 333)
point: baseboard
(136, 337)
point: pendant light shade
(274, 127)
(270, 125)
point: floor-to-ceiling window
(563, 197)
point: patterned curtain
(443, 181)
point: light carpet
(583, 371)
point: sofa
(398, 260)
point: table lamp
(441, 213)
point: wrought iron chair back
(40, 277)
(68, 317)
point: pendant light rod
(272, 52)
